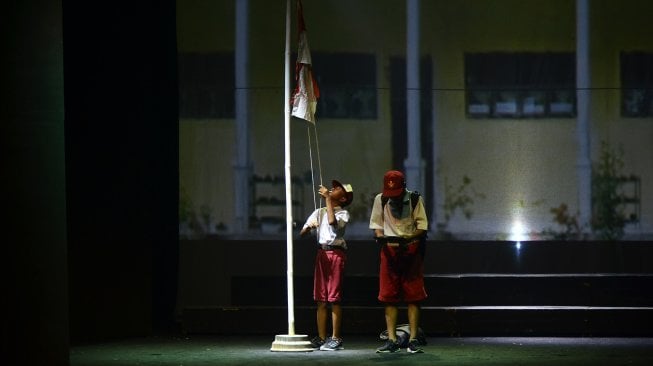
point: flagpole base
(291, 343)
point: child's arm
(311, 223)
(331, 217)
(305, 230)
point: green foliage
(608, 218)
(460, 198)
(571, 228)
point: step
(472, 289)
(585, 321)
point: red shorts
(401, 275)
(329, 272)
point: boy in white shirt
(330, 223)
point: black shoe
(332, 344)
(413, 346)
(390, 346)
(317, 342)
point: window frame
(636, 75)
(520, 85)
(348, 85)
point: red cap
(394, 183)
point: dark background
(121, 165)
(90, 167)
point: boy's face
(337, 193)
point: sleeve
(376, 218)
(342, 218)
(419, 214)
(311, 218)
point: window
(520, 85)
(347, 85)
(206, 85)
(636, 84)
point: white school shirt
(404, 226)
(330, 234)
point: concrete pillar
(242, 164)
(414, 164)
(583, 97)
(438, 196)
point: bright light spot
(518, 231)
(518, 245)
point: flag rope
(310, 157)
(319, 164)
(317, 149)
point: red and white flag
(306, 93)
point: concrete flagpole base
(291, 343)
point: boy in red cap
(399, 222)
(329, 222)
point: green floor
(359, 350)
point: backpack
(403, 335)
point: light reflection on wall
(518, 231)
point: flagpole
(286, 112)
(289, 342)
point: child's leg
(322, 317)
(413, 319)
(336, 319)
(391, 311)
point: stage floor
(360, 350)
